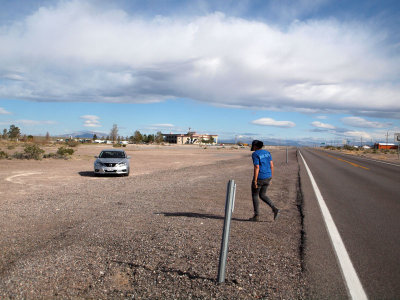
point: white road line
(353, 284)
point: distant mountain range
(85, 134)
(270, 142)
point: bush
(18, 155)
(51, 155)
(33, 152)
(348, 147)
(72, 143)
(10, 147)
(3, 154)
(117, 145)
(63, 151)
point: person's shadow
(197, 215)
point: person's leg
(263, 192)
(263, 195)
(254, 194)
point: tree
(150, 138)
(5, 134)
(94, 137)
(14, 132)
(114, 132)
(47, 136)
(137, 137)
(159, 138)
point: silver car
(112, 161)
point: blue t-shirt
(263, 159)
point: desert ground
(155, 234)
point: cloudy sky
(300, 70)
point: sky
(306, 71)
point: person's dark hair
(256, 144)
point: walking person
(263, 172)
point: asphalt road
(363, 197)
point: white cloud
(163, 125)
(91, 121)
(321, 117)
(358, 134)
(4, 112)
(272, 122)
(322, 125)
(34, 122)
(79, 52)
(363, 123)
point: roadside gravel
(153, 236)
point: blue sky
(304, 70)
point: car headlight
(122, 164)
(97, 163)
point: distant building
(385, 146)
(190, 138)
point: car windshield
(112, 154)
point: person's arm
(272, 168)
(255, 176)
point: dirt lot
(154, 234)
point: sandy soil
(155, 234)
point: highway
(363, 199)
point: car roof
(115, 150)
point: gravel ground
(153, 235)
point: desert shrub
(33, 152)
(3, 154)
(117, 145)
(51, 155)
(18, 155)
(348, 147)
(374, 151)
(63, 151)
(10, 147)
(72, 143)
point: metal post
(286, 154)
(229, 206)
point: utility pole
(387, 136)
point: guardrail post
(229, 207)
(287, 156)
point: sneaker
(276, 213)
(255, 218)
